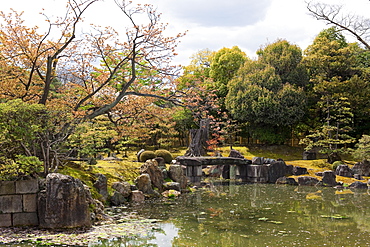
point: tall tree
(32, 61)
(337, 69)
(260, 97)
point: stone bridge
(261, 171)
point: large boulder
(176, 173)
(63, 203)
(308, 181)
(156, 176)
(309, 155)
(344, 171)
(277, 169)
(361, 168)
(124, 188)
(101, 185)
(144, 184)
(329, 178)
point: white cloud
(213, 24)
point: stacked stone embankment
(18, 203)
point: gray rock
(285, 180)
(297, 170)
(235, 154)
(144, 184)
(124, 188)
(117, 199)
(344, 171)
(329, 178)
(172, 186)
(361, 168)
(156, 176)
(357, 176)
(358, 185)
(63, 204)
(176, 173)
(102, 186)
(289, 170)
(309, 155)
(161, 162)
(308, 181)
(137, 196)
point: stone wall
(18, 203)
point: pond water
(258, 215)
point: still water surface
(258, 215)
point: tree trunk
(199, 140)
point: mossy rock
(165, 154)
(147, 155)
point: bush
(24, 166)
(166, 155)
(147, 155)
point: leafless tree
(356, 25)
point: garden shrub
(166, 155)
(23, 166)
(147, 155)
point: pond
(258, 215)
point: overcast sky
(214, 24)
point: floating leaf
(276, 222)
(263, 219)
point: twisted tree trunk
(199, 140)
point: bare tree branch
(357, 26)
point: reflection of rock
(344, 171)
(358, 185)
(329, 178)
(285, 180)
(308, 181)
(63, 204)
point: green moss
(146, 155)
(165, 154)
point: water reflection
(260, 215)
